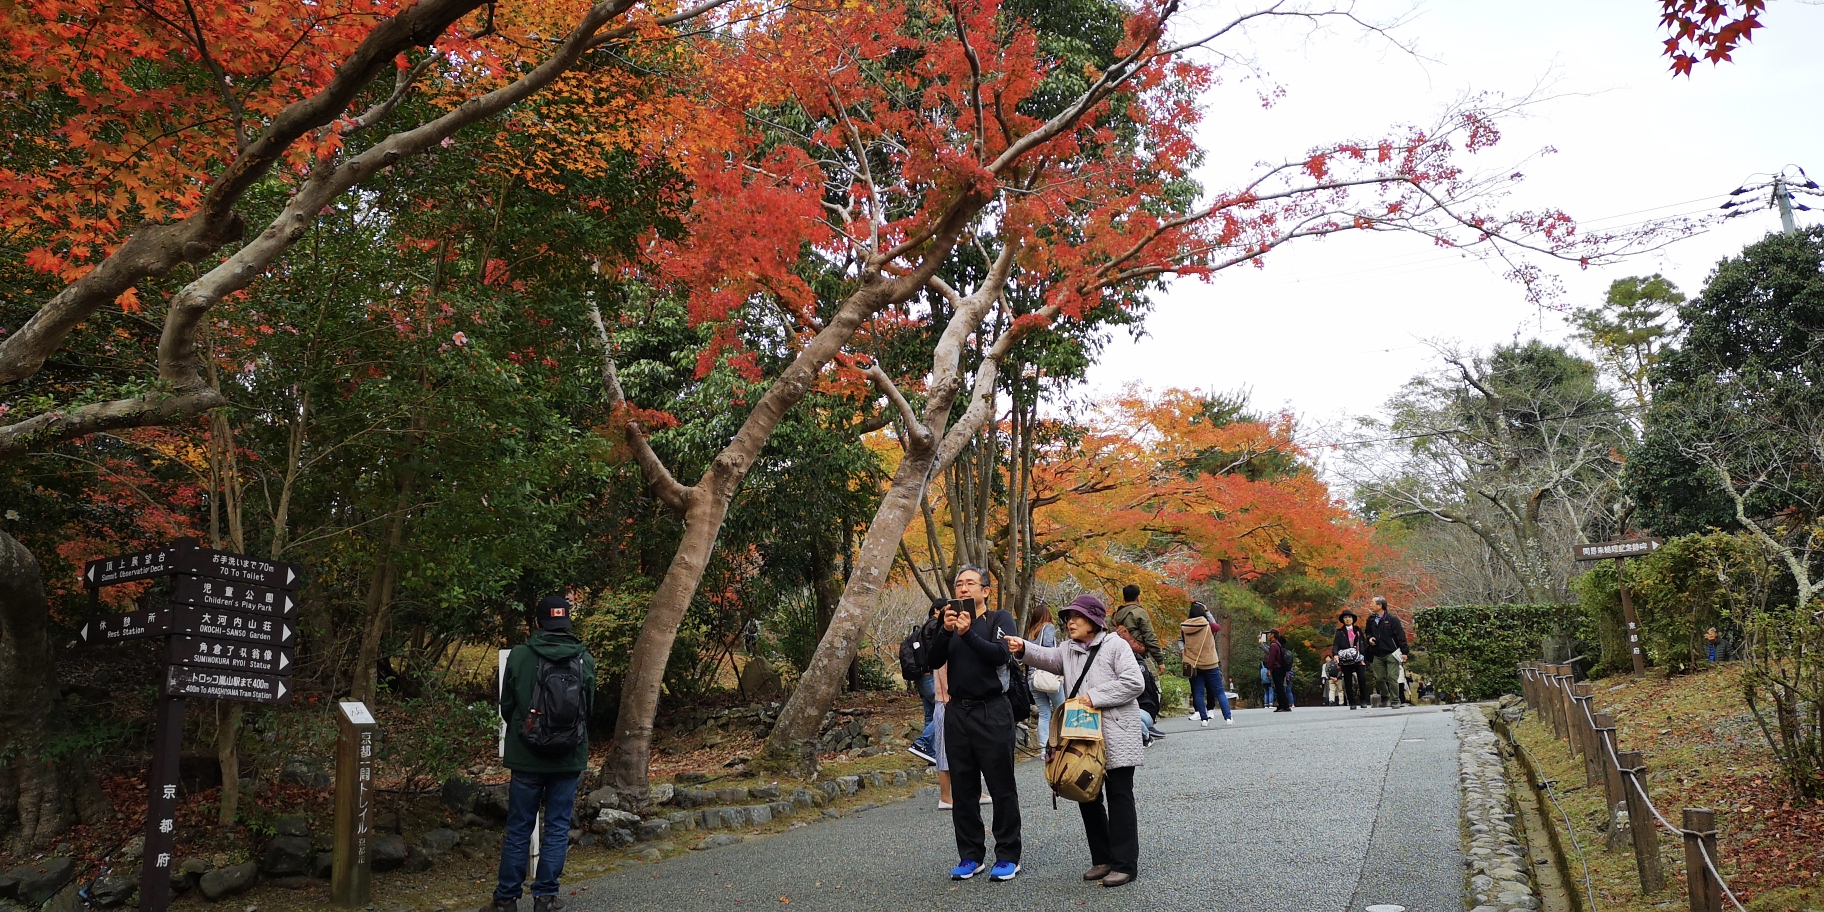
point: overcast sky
(1333, 328)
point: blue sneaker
(1004, 870)
(967, 870)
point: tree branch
(919, 435)
(658, 478)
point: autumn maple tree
(135, 136)
(1127, 221)
(1707, 29)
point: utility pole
(1783, 186)
(1783, 200)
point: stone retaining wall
(1497, 879)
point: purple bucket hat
(1090, 607)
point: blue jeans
(557, 793)
(1210, 681)
(1044, 703)
(927, 694)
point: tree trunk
(364, 685)
(228, 755)
(43, 791)
(792, 745)
(631, 753)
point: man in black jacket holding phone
(978, 725)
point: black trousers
(1112, 824)
(1355, 684)
(1282, 688)
(978, 740)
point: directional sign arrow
(229, 655)
(127, 568)
(206, 592)
(1627, 547)
(184, 681)
(230, 625)
(133, 625)
(238, 568)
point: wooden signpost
(229, 636)
(1619, 551)
(351, 884)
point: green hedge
(1474, 650)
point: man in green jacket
(545, 702)
(1138, 622)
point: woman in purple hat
(1108, 680)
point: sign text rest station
(231, 630)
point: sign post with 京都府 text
(229, 629)
(351, 878)
(1617, 551)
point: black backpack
(1019, 686)
(557, 722)
(912, 664)
(1019, 692)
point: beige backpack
(1075, 767)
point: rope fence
(1554, 696)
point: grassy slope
(1702, 749)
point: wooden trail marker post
(1640, 822)
(229, 635)
(1619, 551)
(351, 879)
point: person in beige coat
(1110, 681)
(1197, 639)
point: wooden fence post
(1640, 823)
(1604, 743)
(1574, 695)
(1564, 707)
(1529, 685)
(1586, 731)
(1700, 836)
(1548, 704)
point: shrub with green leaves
(1475, 650)
(1679, 591)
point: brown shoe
(1097, 873)
(1117, 879)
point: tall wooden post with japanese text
(351, 879)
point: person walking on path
(1351, 646)
(1327, 679)
(1111, 684)
(545, 699)
(1386, 650)
(1279, 662)
(1042, 631)
(1136, 625)
(1197, 639)
(924, 747)
(978, 725)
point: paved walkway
(1276, 813)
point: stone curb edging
(1497, 880)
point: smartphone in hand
(965, 607)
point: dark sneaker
(966, 870)
(547, 904)
(922, 753)
(1004, 870)
(500, 905)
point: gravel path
(1276, 813)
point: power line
(1445, 432)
